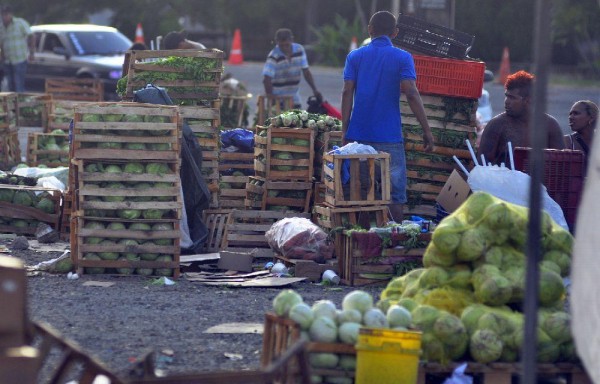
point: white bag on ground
(512, 186)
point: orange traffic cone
(353, 44)
(139, 34)
(504, 67)
(235, 55)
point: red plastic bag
(299, 238)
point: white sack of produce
(512, 186)
(299, 238)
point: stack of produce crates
(60, 113)
(10, 151)
(79, 89)
(283, 165)
(32, 112)
(192, 79)
(127, 198)
(361, 200)
(235, 168)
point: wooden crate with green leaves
(32, 110)
(23, 207)
(60, 113)
(278, 195)
(49, 149)
(190, 77)
(8, 112)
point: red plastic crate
(449, 77)
(563, 177)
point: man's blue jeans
(15, 73)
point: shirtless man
(513, 124)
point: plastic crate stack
(283, 165)
(10, 151)
(192, 79)
(127, 199)
(450, 84)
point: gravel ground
(120, 324)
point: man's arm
(409, 88)
(488, 146)
(347, 103)
(268, 85)
(555, 135)
(311, 82)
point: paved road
(329, 81)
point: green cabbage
(284, 301)
(46, 205)
(164, 271)
(108, 255)
(485, 346)
(133, 168)
(158, 168)
(92, 270)
(163, 227)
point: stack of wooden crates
(127, 189)
(10, 152)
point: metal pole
(538, 132)
(395, 7)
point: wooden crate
(157, 137)
(79, 89)
(111, 254)
(324, 143)
(143, 67)
(97, 190)
(232, 191)
(10, 149)
(365, 260)
(245, 231)
(267, 148)
(269, 106)
(359, 191)
(236, 161)
(32, 110)
(280, 333)
(60, 113)
(205, 123)
(37, 155)
(216, 221)
(8, 112)
(318, 194)
(277, 195)
(234, 108)
(32, 215)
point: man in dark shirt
(513, 124)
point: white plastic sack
(459, 377)
(61, 173)
(512, 186)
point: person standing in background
(374, 77)
(16, 40)
(583, 117)
(178, 40)
(285, 65)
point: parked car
(79, 51)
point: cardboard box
(13, 302)
(455, 192)
(234, 261)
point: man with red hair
(512, 125)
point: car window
(99, 42)
(51, 41)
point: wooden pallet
(32, 110)
(216, 221)
(269, 142)
(295, 195)
(269, 106)
(143, 67)
(11, 211)
(158, 137)
(359, 191)
(245, 231)
(67, 88)
(360, 266)
(37, 155)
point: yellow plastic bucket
(387, 356)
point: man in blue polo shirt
(284, 68)
(374, 77)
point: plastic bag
(299, 238)
(512, 186)
(60, 173)
(240, 138)
(353, 148)
(458, 376)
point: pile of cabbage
(41, 200)
(53, 148)
(297, 118)
(151, 169)
(467, 299)
(132, 250)
(287, 149)
(322, 322)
